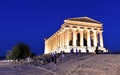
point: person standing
(55, 58)
(52, 57)
(76, 52)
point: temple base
(83, 49)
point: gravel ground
(84, 64)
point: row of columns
(62, 39)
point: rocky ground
(82, 64)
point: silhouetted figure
(72, 51)
(63, 52)
(62, 56)
(76, 52)
(55, 58)
(96, 51)
(52, 57)
(79, 51)
(87, 51)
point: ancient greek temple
(81, 33)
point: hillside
(87, 64)
(83, 64)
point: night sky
(30, 21)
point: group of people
(76, 52)
(55, 55)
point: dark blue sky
(30, 21)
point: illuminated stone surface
(79, 33)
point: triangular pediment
(84, 19)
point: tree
(20, 51)
(33, 55)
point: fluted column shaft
(50, 45)
(63, 39)
(74, 37)
(67, 37)
(88, 38)
(95, 38)
(101, 39)
(53, 43)
(57, 41)
(45, 48)
(81, 37)
(60, 40)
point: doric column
(95, 38)
(60, 39)
(63, 39)
(74, 37)
(67, 37)
(50, 45)
(55, 41)
(81, 37)
(101, 39)
(45, 48)
(88, 38)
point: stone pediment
(84, 19)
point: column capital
(94, 30)
(57, 34)
(88, 30)
(63, 30)
(81, 29)
(60, 32)
(66, 28)
(74, 29)
(100, 31)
